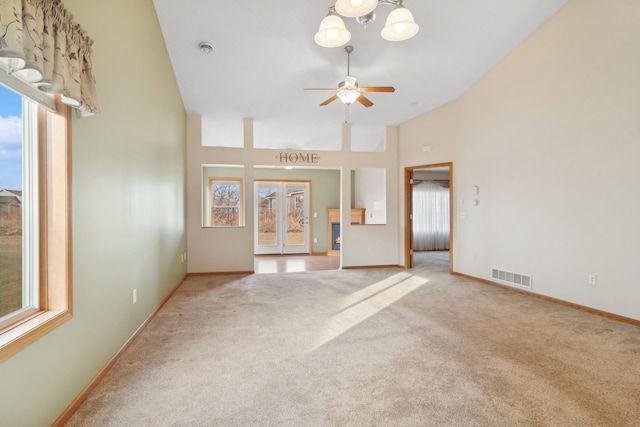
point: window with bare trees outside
(226, 202)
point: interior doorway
(428, 215)
(281, 217)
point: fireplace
(335, 236)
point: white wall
(208, 248)
(370, 194)
(128, 192)
(552, 138)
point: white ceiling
(264, 55)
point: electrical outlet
(315, 240)
(135, 296)
(592, 279)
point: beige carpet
(376, 347)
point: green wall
(128, 192)
(325, 191)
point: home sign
(293, 157)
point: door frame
(308, 222)
(408, 211)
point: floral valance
(41, 44)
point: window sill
(21, 335)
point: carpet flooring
(378, 347)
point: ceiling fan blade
(378, 89)
(330, 100)
(319, 88)
(364, 101)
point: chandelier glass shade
(399, 26)
(355, 8)
(333, 32)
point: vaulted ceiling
(264, 56)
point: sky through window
(10, 140)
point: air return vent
(515, 278)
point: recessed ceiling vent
(509, 277)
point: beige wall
(128, 194)
(552, 138)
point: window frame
(55, 244)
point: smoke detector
(205, 47)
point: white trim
(27, 90)
(30, 207)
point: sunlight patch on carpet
(366, 303)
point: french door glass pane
(267, 216)
(295, 216)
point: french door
(282, 217)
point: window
(18, 209)
(431, 216)
(226, 202)
(35, 240)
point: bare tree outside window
(225, 203)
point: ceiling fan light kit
(333, 32)
(349, 91)
(348, 96)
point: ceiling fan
(349, 91)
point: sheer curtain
(430, 216)
(43, 46)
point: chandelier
(333, 32)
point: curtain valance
(41, 44)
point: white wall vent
(515, 278)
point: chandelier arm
(391, 2)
